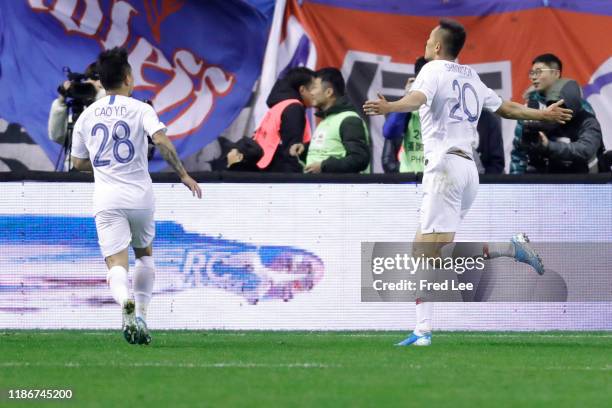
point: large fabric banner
(288, 46)
(196, 61)
(375, 43)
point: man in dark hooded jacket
(285, 123)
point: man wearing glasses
(570, 148)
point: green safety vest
(326, 141)
(411, 156)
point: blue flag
(196, 61)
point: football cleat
(523, 252)
(143, 335)
(130, 330)
(415, 340)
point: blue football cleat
(523, 252)
(414, 340)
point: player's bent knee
(428, 248)
(143, 252)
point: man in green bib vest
(340, 143)
(403, 148)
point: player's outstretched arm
(82, 164)
(408, 103)
(168, 152)
(553, 113)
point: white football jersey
(112, 133)
(455, 97)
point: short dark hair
(332, 77)
(453, 37)
(550, 60)
(92, 71)
(419, 64)
(113, 67)
(299, 76)
(250, 150)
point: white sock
(144, 280)
(497, 250)
(448, 250)
(424, 311)
(117, 280)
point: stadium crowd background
(502, 147)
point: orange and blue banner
(376, 42)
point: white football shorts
(118, 229)
(449, 189)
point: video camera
(532, 129)
(79, 94)
(563, 88)
(77, 97)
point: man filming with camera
(74, 95)
(573, 147)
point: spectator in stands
(285, 124)
(490, 158)
(244, 155)
(570, 148)
(403, 148)
(57, 125)
(340, 143)
(58, 115)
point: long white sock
(424, 312)
(117, 280)
(144, 280)
(499, 249)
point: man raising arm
(450, 98)
(507, 110)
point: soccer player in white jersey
(450, 97)
(110, 138)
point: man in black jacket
(244, 155)
(574, 147)
(490, 144)
(295, 84)
(340, 143)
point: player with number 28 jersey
(112, 133)
(110, 139)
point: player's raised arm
(169, 154)
(553, 113)
(408, 103)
